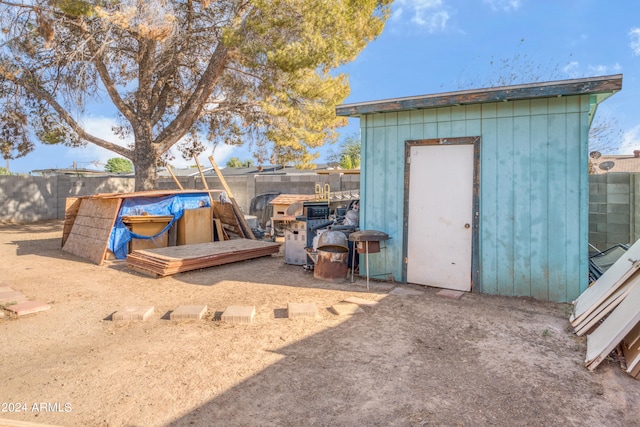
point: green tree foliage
(4, 171)
(235, 162)
(348, 157)
(178, 72)
(118, 164)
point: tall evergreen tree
(177, 71)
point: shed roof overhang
(600, 88)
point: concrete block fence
(25, 199)
(614, 198)
(614, 209)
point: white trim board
(613, 330)
(607, 284)
(607, 306)
(631, 350)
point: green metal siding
(533, 189)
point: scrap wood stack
(609, 313)
(178, 259)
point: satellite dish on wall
(605, 166)
(595, 155)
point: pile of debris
(608, 312)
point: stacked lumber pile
(178, 259)
(609, 313)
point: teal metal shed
(483, 190)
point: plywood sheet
(195, 226)
(613, 330)
(72, 205)
(178, 259)
(91, 229)
(607, 284)
(225, 213)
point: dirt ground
(409, 361)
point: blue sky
(433, 46)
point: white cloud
(397, 14)
(429, 14)
(630, 141)
(575, 70)
(635, 40)
(572, 69)
(505, 5)
(91, 156)
(603, 70)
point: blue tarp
(168, 205)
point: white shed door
(440, 227)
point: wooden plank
(540, 202)
(522, 201)
(557, 193)
(633, 337)
(89, 236)
(607, 284)
(505, 207)
(178, 259)
(225, 213)
(174, 178)
(242, 222)
(488, 240)
(605, 308)
(631, 350)
(152, 193)
(180, 253)
(613, 330)
(72, 205)
(219, 232)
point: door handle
(467, 225)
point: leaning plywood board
(91, 229)
(607, 305)
(72, 205)
(195, 226)
(631, 350)
(613, 330)
(224, 212)
(607, 284)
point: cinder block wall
(27, 199)
(613, 199)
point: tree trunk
(144, 164)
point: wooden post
(204, 181)
(174, 177)
(242, 222)
(221, 177)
